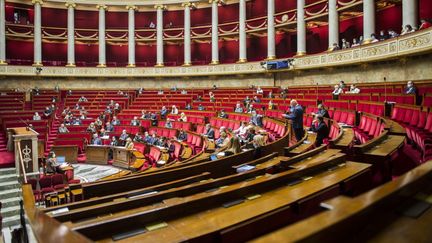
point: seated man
(47, 112)
(115, 121)
(182, 136)
(238, 108)
(209, 132)
(256, 119)
(109, 127)
(222, 114)
(96, 140)
(337, 91)
(138, 137)
(63, 129)
(163, 112)
(354, 89)
(201, 107)
(82, 99)
(51, 164)
(321, 129)
(147, 138)
(135, 121)
(188, 106)
(410, 89)
(123, 137)
(322, 111)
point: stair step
(8, 177)
(9, 185)
(10, 193)
(10, 202)
(11, 221)
(10, 211)
(7, 171)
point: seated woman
(51, 165)
(233, 146)
(258, 142)
(182, 136)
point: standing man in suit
(296, 115)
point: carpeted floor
(7, 159)
(90, 173)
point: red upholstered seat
(58, 181)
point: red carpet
(7, 159)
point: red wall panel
(116, 20)
(117, 55)
(174, 17)
(20, 50)
(86, 19)
(53, 17)
(56, 53)
(86, 54)
(145, 55)
(143, 19)
(425, 7)
(201, 16)
(390, 18)
(228, 13)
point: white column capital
(133, 7)
(160, 6)
(216, 1)
(102, 6)
(70, 5)
(37, 2)
(188, 5)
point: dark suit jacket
(210, 133)
(296, 116)
(324, 113)
(322, 132)
(257, 120)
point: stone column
(2, 33)
(37, 33)
(271, 44)
(187, 34)
(333, 25)
(159, 36)
(214, 32)
(131, 35)
(242, 32)
(368, 20)
(301, 28)
(410, 13)
(102, 41)
(71, 35)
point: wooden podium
(25, 142)
(122, 157)
(97, 154)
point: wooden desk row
(185, 208)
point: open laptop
(61, 159)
